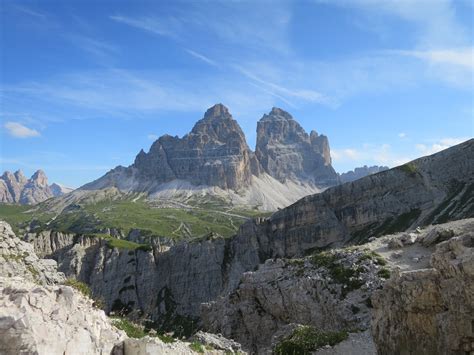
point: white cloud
(368, 154)
(18, 130)
(152, 137)
(402, 135)
(439, 145)
(345, 154)
(463, 57)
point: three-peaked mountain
(214, 158)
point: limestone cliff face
(429, 311)
(214, 153)
(286, 151)
(283, 292)
(16, 188)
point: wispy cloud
(463, 57)
(30, 12)
(155, 25)
(152, 137)
(93, 46)
(370, 154)
(302, 94)
(202, 57)
(386, 154)
(17, 130)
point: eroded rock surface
(51, 320)
(18, 258)
(429, 311)
(328, 291)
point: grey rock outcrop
(286, 151)
(59, 190)
(300, 291)
(361, 172)
(18, 258)
(16, 188)
(51, 320)
(429, 311)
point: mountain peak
(277, 113)
(39, 178)
(217, 111)
(20, 177)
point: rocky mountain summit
(214, 158)
(286, 151)
(16, 188)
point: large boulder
(429, 311)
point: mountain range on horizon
(213, 159)
(16, 188)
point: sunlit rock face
(286, 151)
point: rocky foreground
(407, 293)
(41, 314)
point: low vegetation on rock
(306, 339)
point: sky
(86, 84)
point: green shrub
(374, 256)
(80, 286)
(409, 168)
(166, 338)
(348, 277)
(132, 330)
(384, 273)
(306, 339)
(197, 347)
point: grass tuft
(307, 339)
(80, 286)
(197, 347)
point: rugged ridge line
(171, 284)
(16, 188)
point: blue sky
(86, 84)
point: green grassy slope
(193, 220)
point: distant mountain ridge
(16, 188)
(361, 172)
(214, 158)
